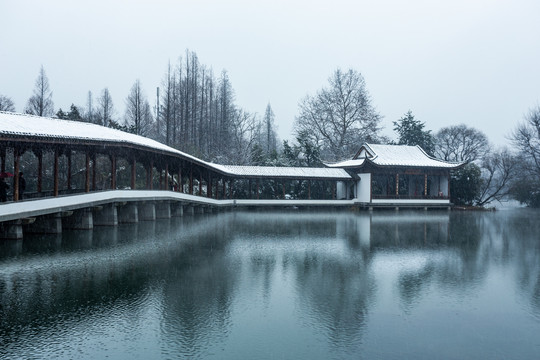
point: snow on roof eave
(456, 164)
(354, 163)
(286, 172)
(443, 165)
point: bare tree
(90, 114)
(40, 103)
(241, 137)
(6, 104)
(105, 109)
(269, 139)
(460, 143)
(498, 169)
(340, 116)
(526, 137)
(138, 117)
(166, 120)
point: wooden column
(309, 189)
(149, 176)
(16, 166)
(191, 181)
(69, 169)
(283, 188)
(3, 157)
(209, 186)
(87, 174)
(166, 176)
(94, 166)
(397, 184)
(160, 179)
(133, 173)
(334, 189)
(113, 172)
(250, 193)
(448, 180)
(425, 185)
(39, 171)
(55, 172)
(200, 183)
(180, 187)
(224, 189)
(231, 185)
(257, 189)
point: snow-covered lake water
(278, 285)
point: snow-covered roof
(404, 155)
(24, 125)
(287, 172)
(31, 127)
(394, 155)
(347, 163)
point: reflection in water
(278, 285)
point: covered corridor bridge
(64, 157)
(113, 177)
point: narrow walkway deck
(40, 207)
(109, 208)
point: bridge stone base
(80, 220)
(49, 224)
(163, 210)
(106, 215)
(12, 230)
(177, 210)
(128, 213)
(147, 211)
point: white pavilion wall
(363, 188)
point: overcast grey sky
(464, 61)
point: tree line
(196, 112)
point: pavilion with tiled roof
(397, 174)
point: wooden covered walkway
(65, 157)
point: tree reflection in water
(277, 285)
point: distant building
(395, 174)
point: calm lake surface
(279, 285)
